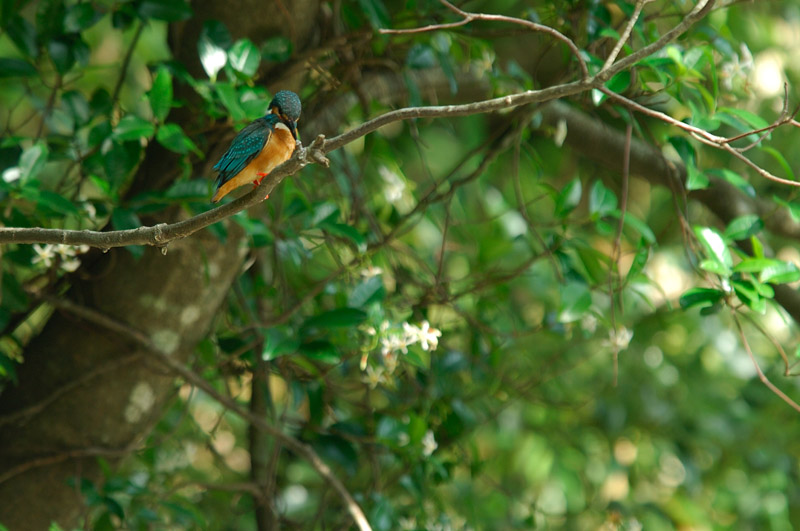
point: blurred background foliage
(432, 314)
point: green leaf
(124, 219)
(568, 198)
(32, 161)
(172, 137)
(420, 57)
(274, 348)
(23, 34)
(119, 160)
(230, 99)
(323, 351)
(80, 16)
(214, 40)
(131, 127)
(166, 10)
(367, 291)
(56, 203)
(712, 266)
(244, 57)
(345, 231)
(618, 84)
(695, 179)
(753, 120)
(593, 262)
(780, 273)
(638, 225)
(780, 159)
(575, 301)
(338, 318)
(639, 261)
(277, 49)
(714, 245)
(188, 189)
(16, 68)
(601, 200)
(735, 179)
(376, 13)
(743, 227)
(749, 295)
(794, 208)
(75, 102)
(700, 297)
(160, 94)
(755, 265)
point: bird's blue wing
(244, 148)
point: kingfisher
(261, 146)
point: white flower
(393, 343)
(407, 523)
(90, 209)
(737, 69)
(618, 339)
(374, 377)
(560, 133)
(44, 254)
(589, 323)
(428, 337)
(65, 251)
(71, 265)
(394, 184)
(429, 444)
(12, 174)
(371, 271)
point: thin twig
(126, 61)
(468, 17)
(761, 375)
(625, 34)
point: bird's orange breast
(277, 150)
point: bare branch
(469, 17)
(625, 34)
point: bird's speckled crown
(288, 104)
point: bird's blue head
(287, 106)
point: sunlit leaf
(601, 199)
(131, 127)
(244, 57)
(700, 297)
(160, 95)
(714, 245)
(172, 137)
(212, 45)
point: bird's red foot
(261, 176)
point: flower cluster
(66, 254)
(393, 341)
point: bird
(261, 146)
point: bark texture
(86, 391)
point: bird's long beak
(293, 128)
